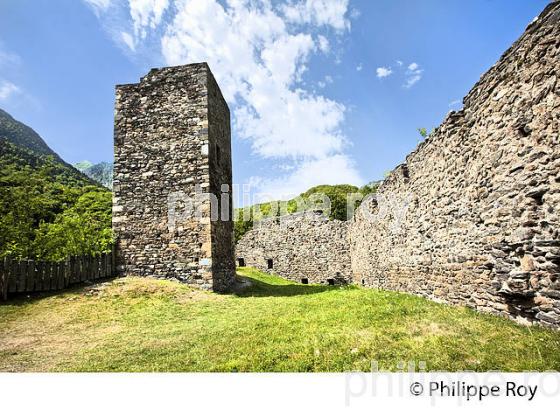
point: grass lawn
(138, 324)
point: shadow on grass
(259, 288)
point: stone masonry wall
(482, 227)
(222, 237)
(167, 130)
(300, 246)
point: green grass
(137, 324)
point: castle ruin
(306, 247)
(172, 211)
(482, 224)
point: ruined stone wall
(301, 247)
(482, 226)
(167, 129)
(219, 145)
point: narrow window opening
(305, 281)
(218, 154)
(363, 281)
(269, 263)
(330, 282)
(405, 172)
(241, 262)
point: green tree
(338, 196)
(49, 210)
(424, 132)
(240, 226)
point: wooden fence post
(66, 273)
(47, 276)
(99, 266)
(75, 271)
(59, 275)
(4, 281)
(89, 268)
(70, 270)
(20, 273)
(30, 280)
(107, 264)
(12, 276)
(79, 270)
(41, 276)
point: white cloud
(128, 40)
(411, 80)
(319, 13)
(8, 59)
(323, 44)
(7, 90)
(258, 53)
(355, 13)
(258, 67)
(455, 103)
(335, 169)
(147, 14)
(383, 72)
(359, 67)
(413, 75)
(327, 80)
(99, 6)
(129, 22)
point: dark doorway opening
(269, 263)
(330, 282)
(305, 281)
(241, 262)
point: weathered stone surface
(304, 247)
(482, 197)
(172, 134)
(484, 186)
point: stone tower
(172, 209)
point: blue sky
(320, 91)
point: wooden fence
(32, 276)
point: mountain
(33, 147)
(23, 136)
(102, 172)
(48, 209)
(83, 165)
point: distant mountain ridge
(102, 172)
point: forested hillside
(338, 205)
(23, 136)
(48, 209)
